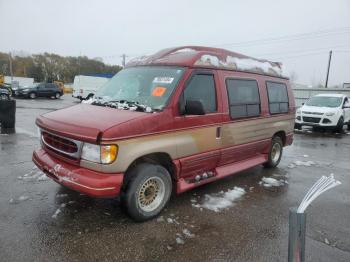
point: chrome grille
(61, 145)
(311, 119)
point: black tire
(273, 160)
(57, 95)
(340, 125)
(32, 95)
(89, 96)
(139, 179)
(297, 126)
(349, 126)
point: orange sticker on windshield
(158, 91)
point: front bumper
(324, 121)
(80, 179)
(20, 93)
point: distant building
(346, 85)
(19, 81)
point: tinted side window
(244, 99)
(202, 88)
(278, 97)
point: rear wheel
(275, 152)
(148, 189)
(57, 95)
(32, 95)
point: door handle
(218, 132)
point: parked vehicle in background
(84, 87)
(39, 90)
(4, 94)
(330, 111)
(175, 120)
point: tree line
(49, 67)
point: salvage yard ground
(240, 218)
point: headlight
(104, 154)
(330, 114)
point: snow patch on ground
(26, 132)
(56, 213)
(61, 195)
(188, 233)
(222, 200)
(180, 241)
(272, 182)
(304, 163)
(34, 175)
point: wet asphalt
(42, 221)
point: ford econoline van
(169, 122)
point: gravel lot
(42, 221)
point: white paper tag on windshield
(163, 80)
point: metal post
(329, 65)
(297, 228)
(11, 70)
(123, 60)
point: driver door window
(202, 88)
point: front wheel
(32, 95)
(275, 152)
(339, 127)
(57, 95)
(148, 189)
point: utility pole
(11, 70)
(329, 65)
(123, 59)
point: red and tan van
(169, 122)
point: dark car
(40, 90)
(4, 94)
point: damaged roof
(209, 57)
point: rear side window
(278, 97)
(244, 99)
(202, 88)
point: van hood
(85, 122)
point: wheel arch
(159, 158)
(282, 135)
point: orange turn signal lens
(108, 153)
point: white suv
(326, 111)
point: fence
(303, 94)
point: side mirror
(193, 107)
(302, 104)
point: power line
(301, 50)
(319, 33)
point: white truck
(85, 87)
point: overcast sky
(298, 33)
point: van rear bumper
(80, 179)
